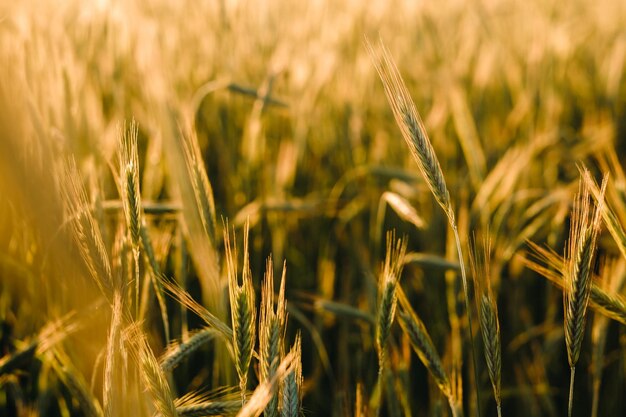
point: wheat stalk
(612, 277)
(581, 247)
(487, 314)
(416, 138)
(243, 310)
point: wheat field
(325, 208)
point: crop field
(312, 208)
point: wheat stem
(570, 404)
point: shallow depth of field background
(298, 137)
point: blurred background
(297, 137)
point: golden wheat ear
(580, 252)
(131, 197)
(411, 125)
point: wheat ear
(292, 383)
(390, 275)
(131, 197)
(416, 138)
(487, 314)
(177, 351)
(242, 309)
(271, 331)
(209, 408)
(87, 233)
(423, 346)
(151, 373)
(201, 185)
(581, 248)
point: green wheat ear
(243, 311)
(390, 275)
(580, 251)
(480, 258)
(271, 331)
(292, 383)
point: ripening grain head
(411, 125)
